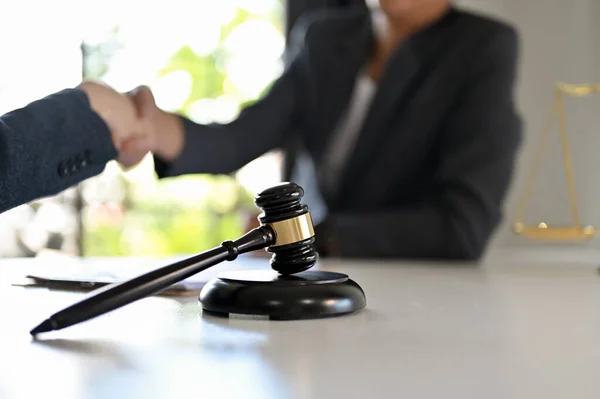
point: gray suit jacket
(431, 168)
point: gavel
(286, 231)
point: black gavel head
(294, 248)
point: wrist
(170, 136)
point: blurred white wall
(560, 41)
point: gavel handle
(111, 297)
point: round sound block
(306, 295)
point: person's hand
(120, 115)
(164, 132)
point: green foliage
(163, 229)
(207, 80)
(103, 241)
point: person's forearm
(426, 232)
(212, 149)
(50, 145)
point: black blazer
(50, 145)
(431, 168)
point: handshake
(137, 126)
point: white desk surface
(509, 328)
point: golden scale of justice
(542, 231)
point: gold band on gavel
(293, 230)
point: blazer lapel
(340, 56)
(392, 88)
(398, 83)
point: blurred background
(208, 59)
(204, 59)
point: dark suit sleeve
(50, 145)
(261, 127)
(478, 146)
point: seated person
(406, 109)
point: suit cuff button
(63, 169)
(82, 162)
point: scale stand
(541, 231)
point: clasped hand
(136, 124)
